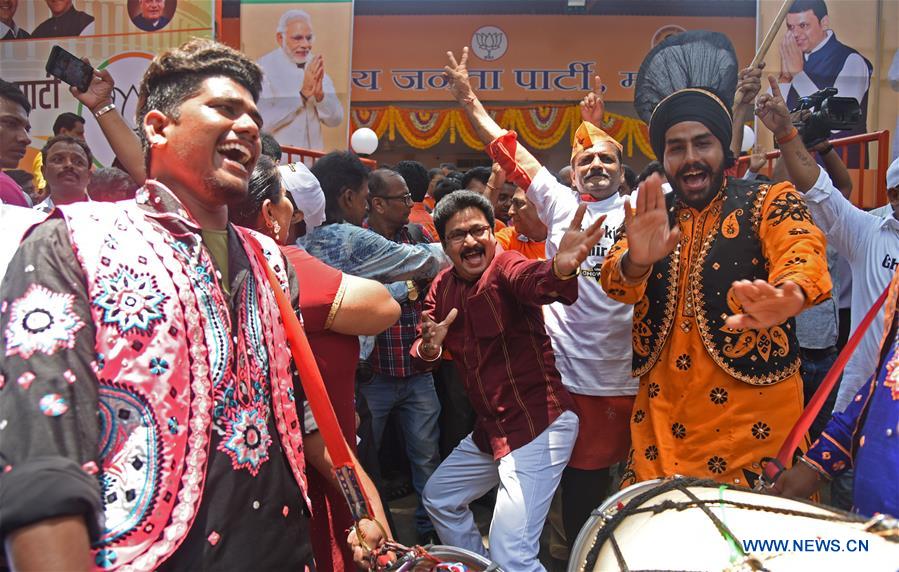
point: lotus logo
(489, 43)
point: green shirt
(217, 243)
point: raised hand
(99, 93)
(649, 238)
(310, 77)
(577, 242)
(772, 110)
(592, 106)
(749, 82)
(765, 305)
(757, 160)
(457, 80)
(791, 60)
(433, 333)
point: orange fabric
(420, 215)
(588, 135)
(498, 225)
(605, 416)
(429, 203)
(509, 238)
(690, 417)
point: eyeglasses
(407, 198)
(477, 232)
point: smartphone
(69, 68)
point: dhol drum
(689, 524)
(439, 558)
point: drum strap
(317, 395)
(798, 432)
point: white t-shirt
(871, 245)
(592, 337)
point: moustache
(472, 250)
(596, 173)
(694, 167)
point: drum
(689, 524)
(439, 558)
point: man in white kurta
(297, 95)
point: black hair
(482, 174)
(336, 172)
(20, 176)
(416, 177)
(66, 139)
(378, 181)
(816, 6)
(446, 186)
(12, 92)
(648, 170)
(176, 75)
(435, 172)
(270, 146)
(630, 177)
(66, 121)
(265, 183)
(455, 176)
(450, 166)
(458, 201)
(110, 184)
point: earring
(277, 228)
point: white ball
(748, 139)
(364, 141)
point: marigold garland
(539, 127)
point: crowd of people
(534, 331)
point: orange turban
(588, 135)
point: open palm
(649, 236)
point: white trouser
(527, 479)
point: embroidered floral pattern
(788, 206)
(158, 366)
(718, 395)
(678, 430)
(41, 321)
(651, 453)
(247, 441)
(761, 430)
(717, 465)
(653, 389)
(130, 301)
(683, 362)
(639, 415)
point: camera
(816, 115)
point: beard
(699, 202)
(225, 192)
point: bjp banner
(117, 35)
(303, 48)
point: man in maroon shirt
(486, 311)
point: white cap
(306, 192)
(893, 174)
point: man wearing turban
(716, 271)
(590, 338)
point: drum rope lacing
(633, 507)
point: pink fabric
(11, 193)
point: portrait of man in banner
(812, 59)
(298, 96)
(151, 15)
(65, 20)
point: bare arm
(367, 308)
(60, 543)
(460, 86)
(772, 110)
(320, 459)
(837, 170)
(123, 141)
(497, 180)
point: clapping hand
(649, 236)
(791, 60)
(313, 77)
(592, 106)
(576, 243)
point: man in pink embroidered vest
(149, 418)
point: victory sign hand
(772, 110)
(577, 242)
(457, 80)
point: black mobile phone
(69, 68)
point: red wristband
(787, 138)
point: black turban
(692, 104)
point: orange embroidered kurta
(691, 417)
(511, 240)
